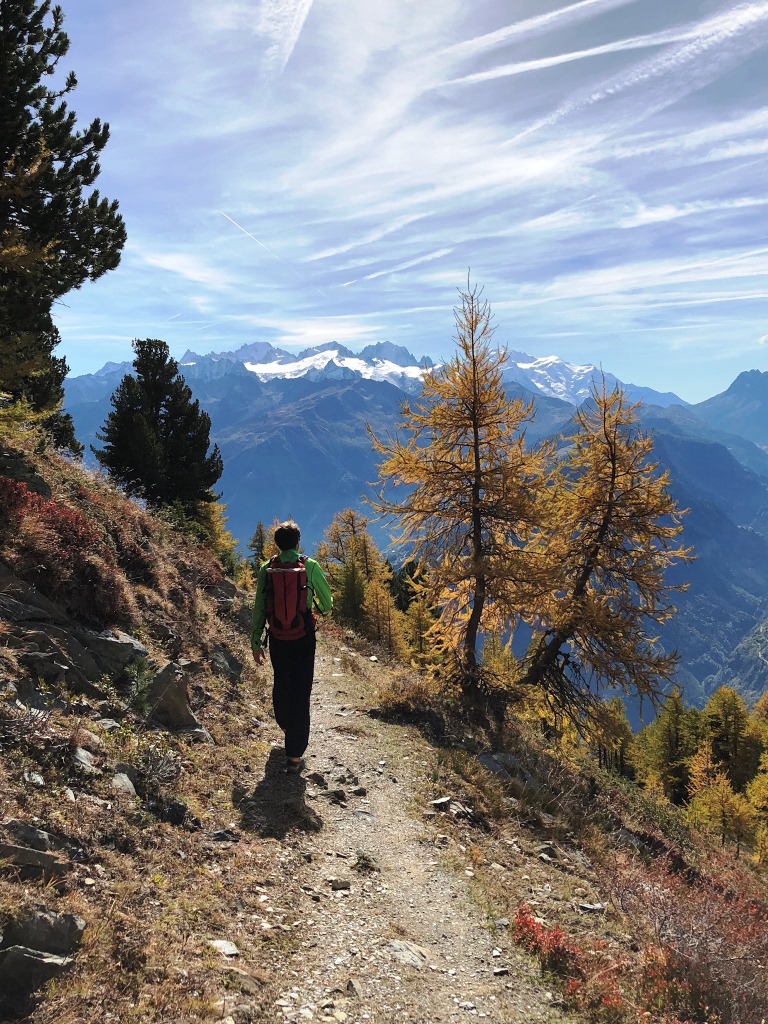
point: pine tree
(257, 545)
(612, 534)
(56, 232)
(726, 725)
(473, 489)
(611, 737)
(351, 561)
(715, 805)
(663, 750)
(156, 438)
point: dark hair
(287, 535)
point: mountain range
(292, 433)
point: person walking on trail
(288, 589)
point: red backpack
(287, 599)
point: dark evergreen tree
(55, 231)
(257, 545)
(156, 438)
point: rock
(224, 947)
(83, 761)
(550, 850)
(131, 770)
(441, 804)
(225, 835)
(114, 647)
(23, 970)
(225, 664)
(168, 698)
(365, 862)
(224, 591)
(592, 908)
(108, 724)
(25, 834)
(199, 735)
(88, 740)
(336, 796)
(36, 863)
(373, 658)
(243, 981)
(171, 810)
(489, 761)
(353, 989)
(45, 930)
(15, 465)
(34, 779)
(318, 779)
(408, 953)
(339, 884)
(122, 785)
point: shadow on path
(278, 803)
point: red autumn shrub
(553, 950)
(67, 555)
(709, 944)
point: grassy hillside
(628, 912)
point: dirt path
(389, 929)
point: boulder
(113, 648)
(168, 698)
(54, 647)
(122, 785)
(226, 664)
(23, 971)
(46, 931)
(34, 863)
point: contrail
(272, 254)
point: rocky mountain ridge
(548, 376)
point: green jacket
(318, 594)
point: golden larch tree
(472, 489)
(612, 533)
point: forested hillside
(299, 446)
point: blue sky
(300, 171)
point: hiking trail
(385, 920)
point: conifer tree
(726, 725)
(156, 437)
(757, 790)
(612, 535)
(473, 489)
(257, 545)
(714, 804)
(419, 622)
(351, 561)
(56, 232)
(663, 749)
(611, 737)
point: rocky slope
(157, 865)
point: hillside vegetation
(144, 828)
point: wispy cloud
(438, 254)
(281, 21)
(718, 43)
(365, 149)
(620, 46)
(565, 17)
(190, 267)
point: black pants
(293, 662)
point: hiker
(288, 589)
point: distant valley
(292, 432)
